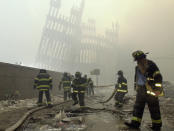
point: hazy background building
(143, 24)
(68, 44)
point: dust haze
(143, 25)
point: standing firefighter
(79, 87)
(43, 82)
(66, 82)
(90, 87)
(121, 89)
(148, 84)
(87, 87)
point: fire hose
(113, 93)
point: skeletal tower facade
(68, 44)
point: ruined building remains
(68, 44)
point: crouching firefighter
(79, 86)
(43, 82)
(148, 84)
(121, 89)
(66, 82)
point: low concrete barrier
(19, 79)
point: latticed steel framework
(67, 44)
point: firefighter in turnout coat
(43, 82)
(148, 84)
(121, 89)
(66, 83)
(79, 85)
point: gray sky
(144, 24)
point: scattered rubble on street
(96, 116)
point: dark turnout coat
(43, 82)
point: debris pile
(11, 104)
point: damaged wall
(16, 78)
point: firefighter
(79, 87)
(66, 83)
(148, 84)
(90, 87)
(72, 78)
(87, 87)
(121, 89)
(43, 82)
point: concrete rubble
(97, 117)
(9, 105)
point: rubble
(8, 105)
(11, 104)
(96, 116)
(60, 116)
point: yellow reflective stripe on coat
(148, 78)
(156, 73)
(136, 119)
(157, 121)
(83, 85)
(158, 85)
(124, 84)
(44, 79)
(75, 91)
(36, 78)
(66, 81)
(67, 87)
(48, 86)
(118, 90)
(151, 93)
(119, 85)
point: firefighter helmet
(43, 71)
(85, 76)
(65, 74)
(120, 72)
(77, 74)
(138, 55)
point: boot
(131, 125)
(120, 105)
